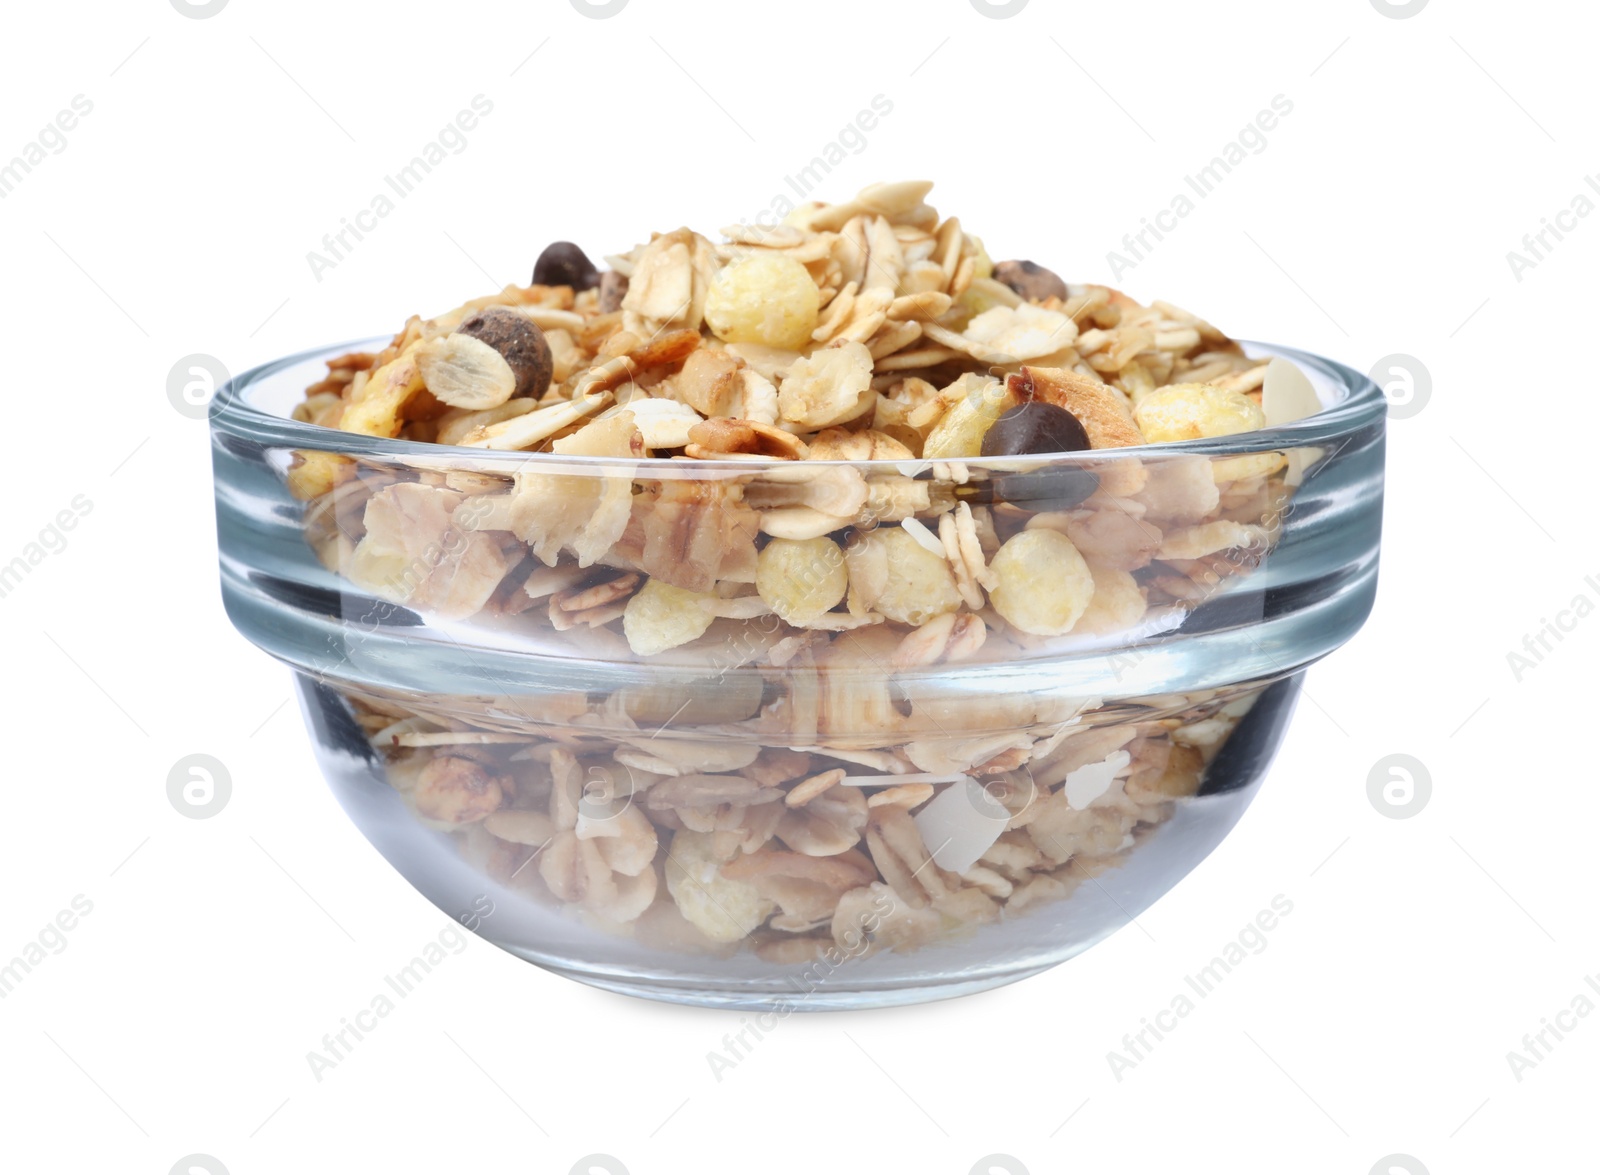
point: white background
(1377, 220)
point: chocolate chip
(1046, 490)
(1034, 427)
(613, 287)
(1052, 488)
(564, 264)
(520, 343)
(1030, 281)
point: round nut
(520, 343)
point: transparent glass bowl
(906, 798)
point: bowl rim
(232, 413)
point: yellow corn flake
(661, 617)
(893, 574)
(1045, 585)
(764, 298)
(801, 578)
(1117, 604)
(722, 909)
(1187, 412)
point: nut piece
(505, 355)
(709, 382)
(520, 343)
(764, 298)
(827, 387)
(613, 289)
(1187, 412)
(457, 791)
(1033, 282)
(801, 578)
(1045, 585)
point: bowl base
(749, 998)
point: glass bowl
(884, 760)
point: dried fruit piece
(564, 264)
(972, 405)
(801, 579)
(1044, 583)
(961, 822)
(764, 298)
(1186, 412)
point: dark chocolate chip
(564, 264)
(1046, 490)
(1034, 427)
(520, 343)
(1039, 491)
(1030, 281)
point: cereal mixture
(892, 393)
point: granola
(798, 475)
(750, 840)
